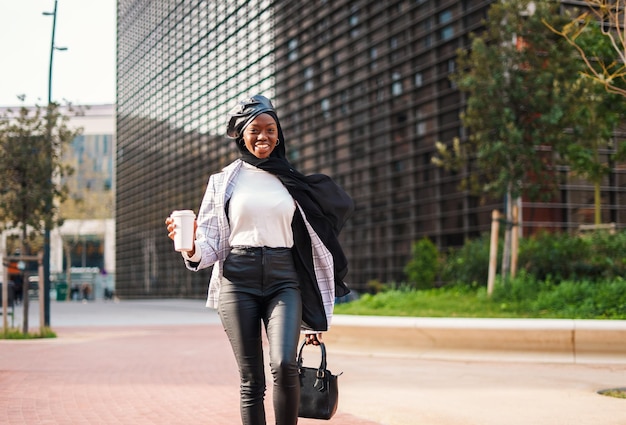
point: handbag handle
(321, 371)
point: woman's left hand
(314, 339)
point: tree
(31, 147)
(520, 84)
(599, 36)
(31, 166)
(596, 117)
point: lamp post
(53, 47)
(46, 247)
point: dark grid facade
(363, 94)
(181, 66)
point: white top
(260, 210)
(213, 236)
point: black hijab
(325, 205)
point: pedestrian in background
(271, 234)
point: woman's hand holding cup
(181, 228)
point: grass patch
(522, 298)
(453, 302)
(614, 392)
(15, 333)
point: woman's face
(261, 135)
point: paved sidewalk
(169, 362)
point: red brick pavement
(115, 375)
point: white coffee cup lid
(183, 212)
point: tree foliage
(596, 117)
(528, 110)
(598, 35)
(32, 141)
(520, 84)
(605, 62)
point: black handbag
(319, 393)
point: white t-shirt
(261, 210)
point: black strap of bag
(319, 394)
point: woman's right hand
(171, 232)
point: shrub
(561, 256)
(422, 270)
(608, 253)
(468, 265)
(522, 288)
(375, 286)
(553, 255)
(546, 257)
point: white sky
(83, 75)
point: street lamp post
(46, 247)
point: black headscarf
(325, 205)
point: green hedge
(467, 265)
(553, 257)
(421, 270)
(597, 256)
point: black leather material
(245, 112)
(260, 287)
(319, 392)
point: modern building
(363, 94)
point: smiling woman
(271, 235)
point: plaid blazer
(213, 234)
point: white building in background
(89, 235)
(85, 235)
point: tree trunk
(597, 198)
(68, 272)
(25, 283)
(506, 250)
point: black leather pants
(260, 285)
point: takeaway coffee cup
(183, 239)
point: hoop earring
(277, 142)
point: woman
(271, 235)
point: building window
(419, 79)
(325, 105)
(354, 22)
(428, 41)
(373, 57)
(292, 47)
(447, 32)
(308, 78)
(445, 16)
(451, 69)
(420, 128)
(396, 85)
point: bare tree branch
(611, 16)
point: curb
(552, 340)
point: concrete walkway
(169, 362)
